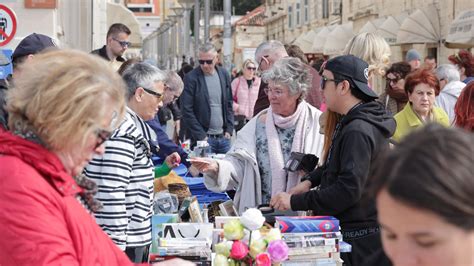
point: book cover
(304, 224)
(157, 222)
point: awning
(117, 13)
(461, 31)
(389, 28)
(320, 38)
(305, 41)
(372, 25)
(337, 40)
(422, 26)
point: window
(306, 11)
(336, 7)
(325, 9)
(298, 14)
(290, 17)
(317, 7)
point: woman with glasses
(394, 97)
(421, 87)
(255, 164)
(245, 94)
(61, 110)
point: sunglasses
(209, 62)
(264, 58)
(159, 96)
(395, 80)
(325, 79)
(251, 68)
(123, 43)
(102, 136)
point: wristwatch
(306, 177)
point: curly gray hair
(291, 72)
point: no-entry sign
(7, 25)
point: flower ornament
(252, 219)
(263, 259)
(233, 230)
(221, 260)
(239, 250)
(278, 250)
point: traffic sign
(8, 25)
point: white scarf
(299, 118)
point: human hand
(227, 135)
(173, 160)
(174, 262)
(205, 165)
(193, 171)
(281, 201)
(302, 187)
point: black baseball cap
(354, 69)
(32, 44)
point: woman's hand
(205, 165)
(302, 187)
(173, 160)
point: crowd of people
(394, 141)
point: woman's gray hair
(448, 72)
(289, 71)
(174, 81)
(142, 75)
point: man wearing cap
(25, 51)
(361, 134)
(414, 59)
(117, 44)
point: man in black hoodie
(361, 134)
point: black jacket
(102, 52)
(195, 108)
(364, 133)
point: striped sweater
(124, 176)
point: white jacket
(448, 97)
(239, 169)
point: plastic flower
(221, 260)
(252, 219)
(263, 259)
(239, 250)
(273, 234)
(257, 246)
(233, 230)
(278, 250)
(223, 248)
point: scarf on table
(280, 181)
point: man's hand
(227, 135)
(302, 187)
(193, 171)
(173, 160)
(205, 165)
(281, 201)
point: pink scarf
(299, 118)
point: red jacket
(41, 221)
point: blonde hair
(373, 49)
(247, 62)
(63, 96)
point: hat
(32, 44)
(412, 54)
(354, 69)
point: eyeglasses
(251, 68)
(159, 96)
(102, 136)
(395, 80)
(325, 79)
(276, 93)
(123, 43)
(209, 62)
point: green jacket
(407, 121)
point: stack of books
(313, 240)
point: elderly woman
(254, 166)
(421, 87)
(424, 199)
(62, 109)
(245, 94)
(464, 61)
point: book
(157, 222)
(227, 208)
(304, 224)
(188, 230)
